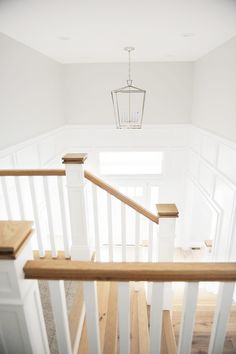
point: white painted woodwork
(96, 224)
(188, 318)
(36, 217)
(223, 306)
(151, 253)
(80, 250)
(79, 331)
(65, 234)
(49, 216)
(22, 327)
(58, 301)
(6, 198)
(19, 198)
(166, 239)
(123, 232)
(92, 320)
(156, 312)
(124, 317)
(109, 227)
(150, 242)
(137, 236)
(165, 252)
(77, 206)
(209, 161)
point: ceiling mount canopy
(128, 102)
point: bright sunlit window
(131, 163)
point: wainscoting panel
(212, 167)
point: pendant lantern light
(128, 102)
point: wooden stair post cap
(13, 235)
(167, 211)
(78, 158)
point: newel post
(80, 249)
(74, 165)
(167, 214)
(22, 327)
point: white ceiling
(99, 29)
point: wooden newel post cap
(74, 158)
(13, 236)
(167, 211)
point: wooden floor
(107, 302)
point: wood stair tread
(108, 320)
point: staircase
(123, 297)
(140, 317)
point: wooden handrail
(126, 200)
(35, 172)
(57, 269)
(92, 178)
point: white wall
(214, 106)
(88, 86)
(30, 93)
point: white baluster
(36, 217)
(96, 224)
(58, 301)
(123, 231)
(49, 217)
(150, 241)
(156, 313)
(124, 317)
(188, 318)
(19, 198)
(223, 306)
(109, 224)
(92, 320)
(63, 216)
(6, 198)
(150, 258)
(137, 236)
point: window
(131, 163)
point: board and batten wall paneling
(211, 168)
(227, 162)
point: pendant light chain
(129, 50)
(129, 68)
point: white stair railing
(123, 273)
(38, 195)
(41, 195)
(44, 192)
